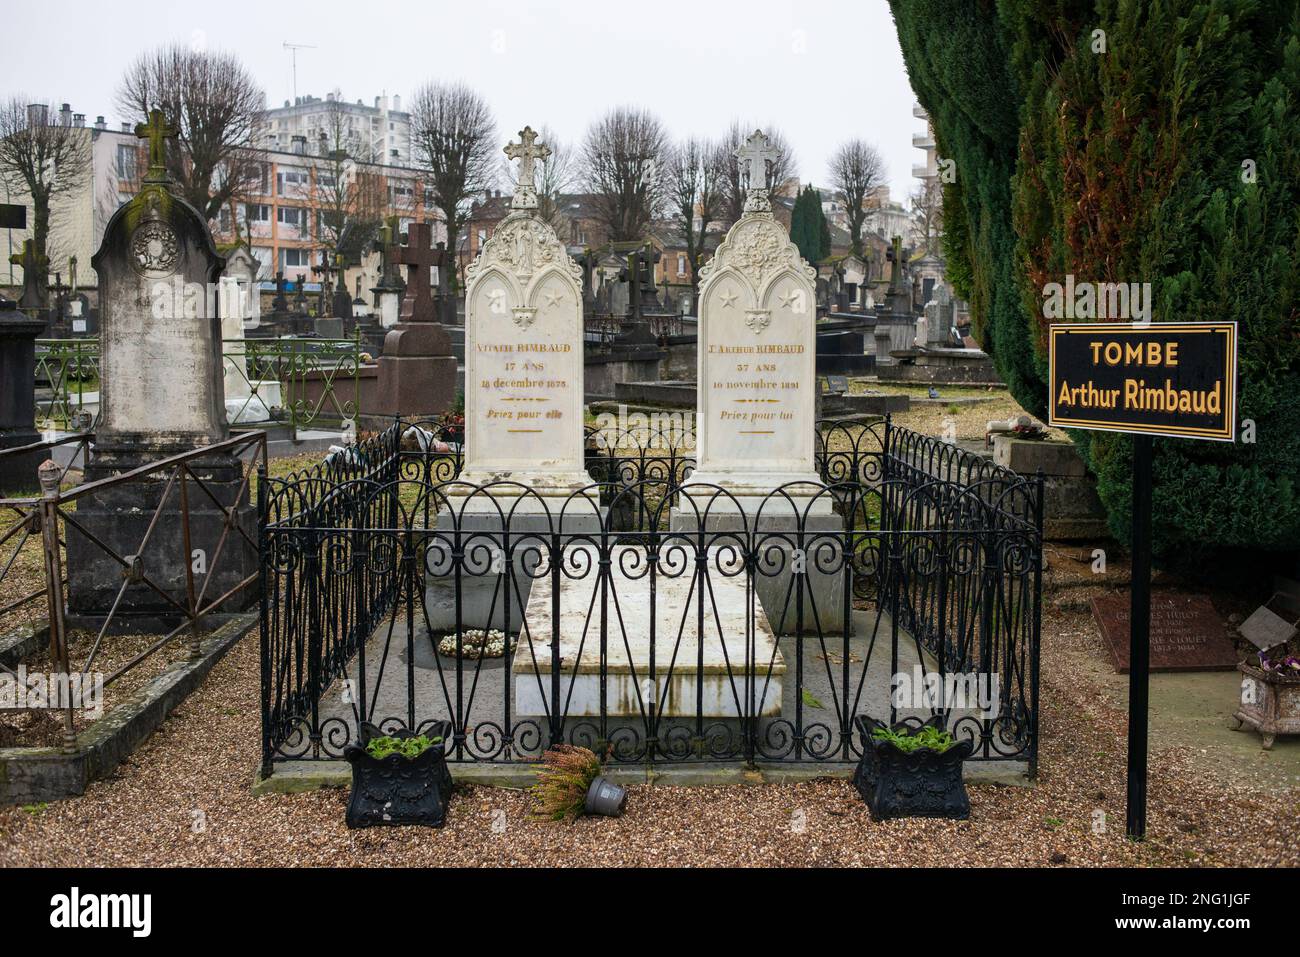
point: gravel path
(184, 799)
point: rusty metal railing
(39, 526)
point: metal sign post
(1175, 379)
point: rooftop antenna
(293, 49)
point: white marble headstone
(757, 359)
(524, 355)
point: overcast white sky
(821, 71)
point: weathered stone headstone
(239, 303)
(757, 398)
(1187, 634)
(523, 407)
(161, 393)
(18, 333)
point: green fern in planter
(380, 748)
(907, 742)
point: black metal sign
(1168, 378)
(12, 216)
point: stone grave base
(692, 677)
(485, 584)
(823, 531)
(254, 406)
(491, 685)
(119, 515)
(414, 386)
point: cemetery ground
(1215, 799)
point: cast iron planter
(399, 790)
(924, 783)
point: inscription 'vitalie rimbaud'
(523, 349)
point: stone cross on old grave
(157, 132)
(527, 151)
(755, 154)
(36, 270)
(417, 256)
(326, 269)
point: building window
(295, 259)
(681, 265)
(259, 213)
(290, 182)
(126, 162)
(292, 218)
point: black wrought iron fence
(650, 617)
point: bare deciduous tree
(779, 169)
(455, 138)
(40, 159)
(857, 168)
(697, 177)
(622, 158)
(215, 106)
(927, 214)
(350, 196)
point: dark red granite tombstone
(1187, 634)
(417, 372)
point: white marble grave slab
(677, 673)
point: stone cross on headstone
(157, 132)
(36, 269)
(527, 151)
(755, 154)
(417, 256)
(280, 304)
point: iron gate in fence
(646, 617)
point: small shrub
(408, 748)
(909, 741)
(563, 779)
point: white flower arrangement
(476, 643)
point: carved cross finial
(755, 154)
(157, 132)
(527, 151)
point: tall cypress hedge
(1172, 157)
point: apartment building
(379, 134)
(284, 214)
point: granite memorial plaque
(1187, 634)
